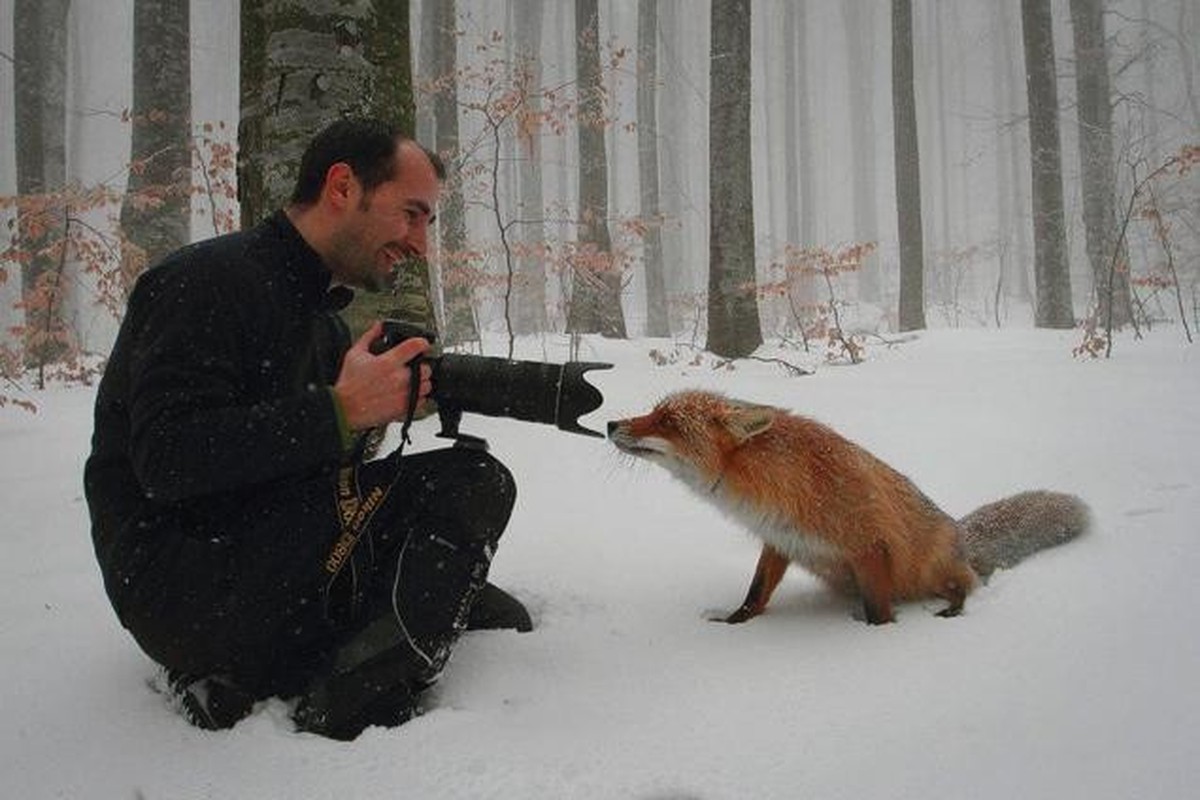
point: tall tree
(1052, 277)
(908, 171)
(800, 215)
(596, 295)
(156, 212)
(1010, 73)
(858, 19)
(1097, 167)
(459, 318)
(40, 88)
(304, 64)
(657, 322)
(530, 307)
(672, 151)
(734, 329)
(424, 75)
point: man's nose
(416, 239)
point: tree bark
(1052, 277)
(306, 63)
(530, 292)
(596, 294)
(156, 212)
(734, 329)
(860, 63)
(657, 323)
(40, 117)
(1097, 164)
(459, 317)
(908, 171)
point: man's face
(387, 224)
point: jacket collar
(304, 266)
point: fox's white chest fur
(797, 545)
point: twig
(905, 339)
(790, 367)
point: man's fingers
(373, 333)
(407, 350)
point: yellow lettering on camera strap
(354, 513)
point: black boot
(376, 675)
(213, 703)
(496, 609)
(341, 704)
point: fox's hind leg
(873, 572)
(771, 566)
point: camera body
(531, 391)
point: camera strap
(414, 397)
(354, 510)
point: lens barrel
(532, 391)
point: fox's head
(691, 432)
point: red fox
(817, 499)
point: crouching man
(243, 540)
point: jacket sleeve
(197, 428)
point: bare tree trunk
(797, 154)
(1097, 165)
(672, 158)
(39, 88)
(423, 69)
(530, 311)
(657, 322)
(1015, 106)
(939, 104)
(161, 147)
(1052, 275)
(306, 63)
(459, 318)
(596, 296)
(733, 323)
(1005, 190)
(908, 171)
(860, 64)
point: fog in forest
(823, 154)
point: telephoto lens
(531, 391)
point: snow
(1076, 674)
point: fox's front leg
(771, 566)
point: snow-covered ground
(1077, 674)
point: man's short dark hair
(367, 145)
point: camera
(531, 391)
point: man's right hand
(373, 389)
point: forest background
(627, 168)
(1074, 675)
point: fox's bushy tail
(1000, 534)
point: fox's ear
(749, 421)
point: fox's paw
(737, 617)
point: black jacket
(217, 389)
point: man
(243, 540)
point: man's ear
(747, 422)
(341, 185)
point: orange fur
(812, 495)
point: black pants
(410, 578)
